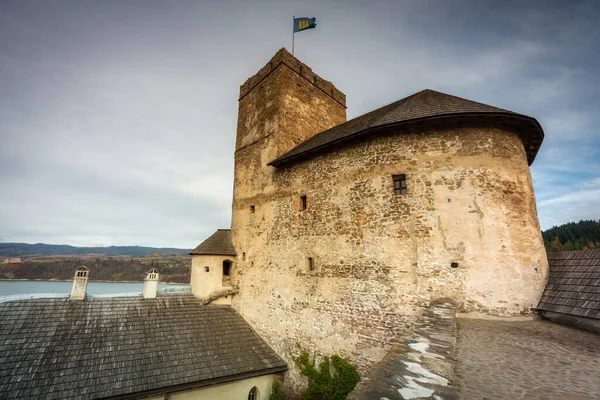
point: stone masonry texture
(420, 365)
(379, 259)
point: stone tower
(343, 231)
(281, 106)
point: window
(303, 203)
(206, 269)
(399, 184)
(226, 267)
(310, 264)
(253, 395)
(252, 209)
(244, 256)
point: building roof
(218, 244)
(121, 346)
(573, 284)
(424, 107)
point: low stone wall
(420, 365)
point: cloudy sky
(117, 117)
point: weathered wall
(279, 107)
(203, 283)
(420, 365)
(380, 257)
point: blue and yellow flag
(301, 24)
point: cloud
(580, 203)
(118, 119)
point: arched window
(253, 395)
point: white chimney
(150, 284)
(79, 284)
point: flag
(301, 24)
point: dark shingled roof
(573, 284)
(423, 107)
(218, 244)
(118, 347)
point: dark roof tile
(106, 347)
(218, 244)
(573, 284)
(425, 106)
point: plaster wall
(226, 391)
(205, 283)
(381, 258)
(79, 288)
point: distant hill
(573, 236)
(25, 250)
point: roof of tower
(218, 244)
(426, 107)
(125, 347)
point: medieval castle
(342, 231)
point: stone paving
(526, 360)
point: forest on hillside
(582, 235)
(171, 268)
(26, 250)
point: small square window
(399, 184)
(206, 269)
(303, 203)
(310, 264)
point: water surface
(12, 290)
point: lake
(12, 290)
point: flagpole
(293, 32)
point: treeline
(171, 269)
(25, 250)
(582, 235)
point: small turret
(150, 284)
(79, 284)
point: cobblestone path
(526, 360)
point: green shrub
(321, 384)
(277, 392)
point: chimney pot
(150, 284)
(79, 284)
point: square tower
(281, 106)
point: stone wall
(280, 107)
(467, 229)
(379, 257)
(420, 365)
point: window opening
(399, 184)
(310, 264)
(226, 267)
(253, 395)
(244, 256)
(303, 203)
(206, 269)
(252, 209)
